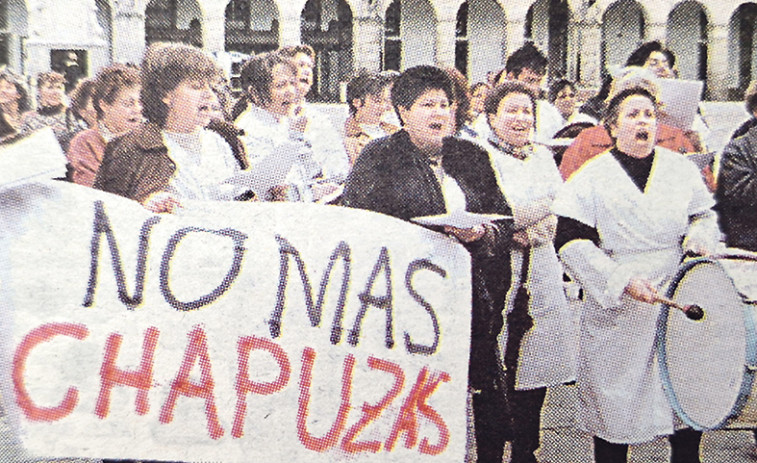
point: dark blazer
(736, 193)
(393, 177)
(136, 165)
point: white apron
(621, 398)
(549, 349)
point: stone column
(718, 78)
(590, 46)
(515, 32)
(368, 37)
(214, 33)
(289, 30)
(128, 37)
(656, 31)
(445, 42)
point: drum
(708, 366)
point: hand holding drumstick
(642, 290)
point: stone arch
(547, 26)
(14, 17)
(687, 29)
(326, 25)
(742, 46)
(486, 38)
(251, 26)
(623, 30)
(414, 41)
(174, 21)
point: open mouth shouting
(642, 135)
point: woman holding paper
(171, 158)
(275, 131)
(624, 222)
(421, 171)
(541, 346)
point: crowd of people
(614, 209)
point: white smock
(548, 351)
(621, 397)
(203, 162)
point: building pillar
(589, 45)
(214, 33)
(289, 30)
(128, 37)
(718, 78)
(368, 33)
(445, 42)
(515, 33)
(656, 31)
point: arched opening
(409, 34)
(13, 32)
(105, 21)
(687, 38)
(461, 39)
(326, 25)
(173, 21)
(547, 23)
(392, 53)
(623, 27)
(743, 48)
(486, 38)
(252, 26)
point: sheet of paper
(702, 160)
(459, 218)
(723, 118)
(681, 100)
(36, 157)
(266, 172)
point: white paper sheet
(681, 100)
(266, 173)
(459, 218)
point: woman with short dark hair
(421, 170)
(274, 126)
(540, 349)
(171, 158)
(625, 221)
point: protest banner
(236, 332)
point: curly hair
(110, 81)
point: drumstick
(692, 312)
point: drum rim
(750, 354)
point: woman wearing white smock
(529, 180)
(625, 221)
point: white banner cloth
(239, 332)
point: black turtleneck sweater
(638, 170)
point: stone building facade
(714, 40)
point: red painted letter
(321, 444)
(111, 375)
(39, 335)
(371, 412)
(197, 347)
(245, 386)
(407, 420)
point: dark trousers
(490, 419)
(525, 409)
(684, 448)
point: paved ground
(562, 443)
